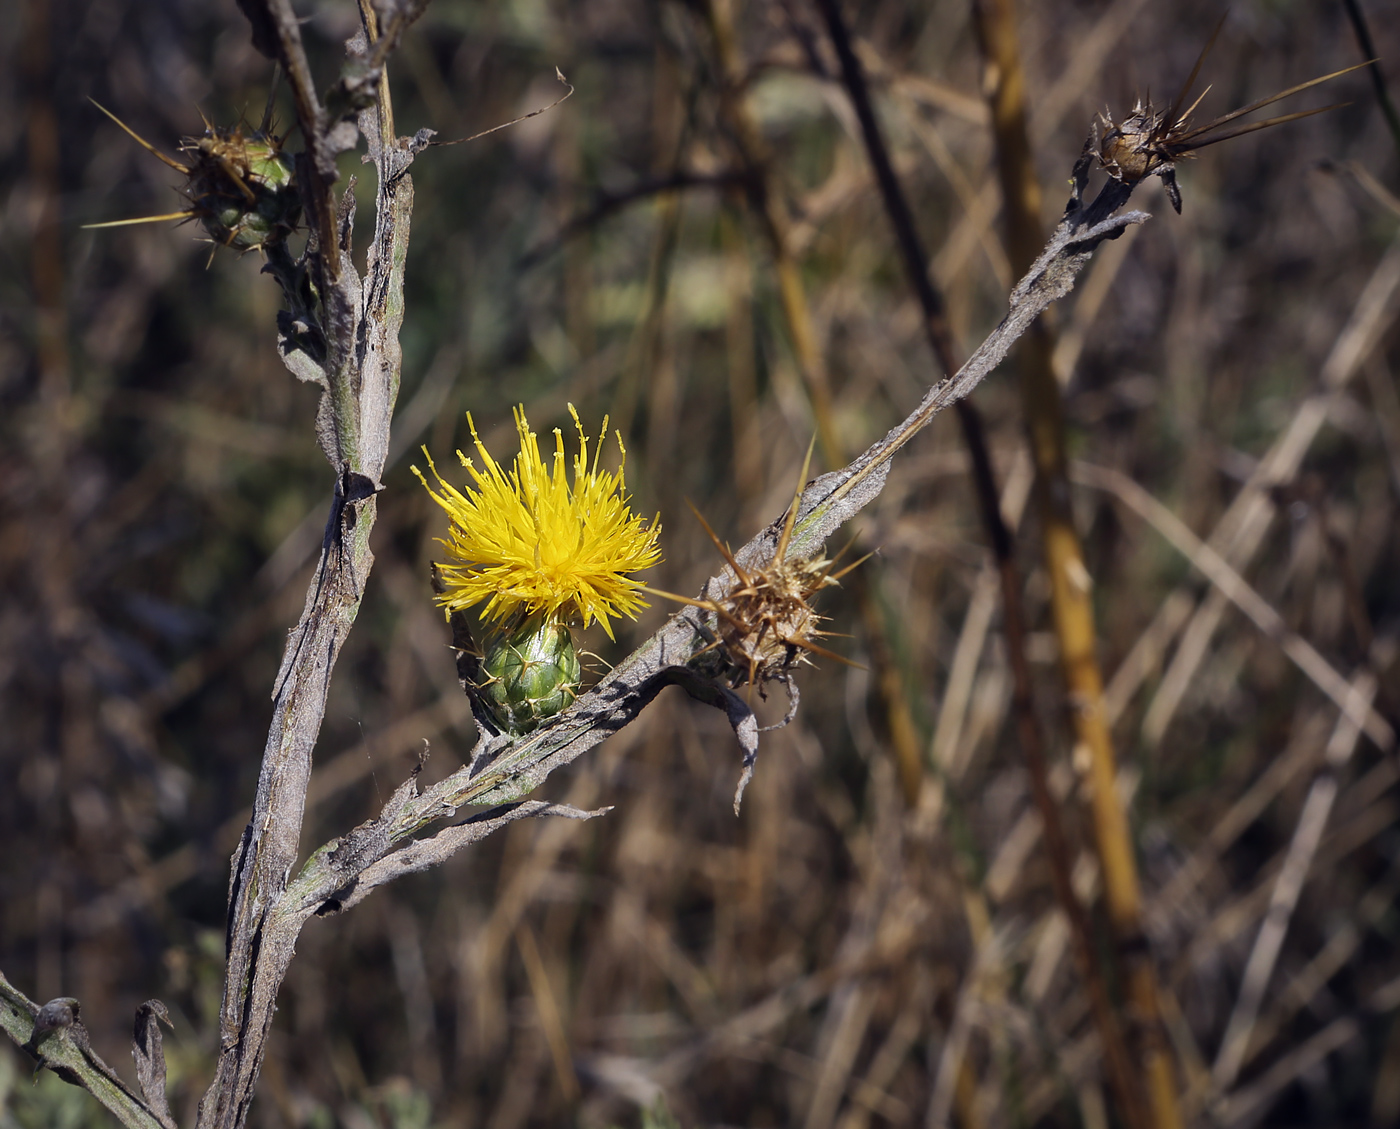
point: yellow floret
(530, 542)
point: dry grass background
(836, 956)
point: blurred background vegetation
(852, 950)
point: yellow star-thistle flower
(532, 543)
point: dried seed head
(766, 624)
(1148, 142)
(1130, 151)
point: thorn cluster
(242, 187)
(766, 623)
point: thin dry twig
(1369, 184)
(523, 117)
(1304, 987)
(936, 328)
(1364, 821)
(1302, 849)
(1305, 747)
(1378, 84)
(1239, 592)
(952, 1055)
(1244, 1104)
(1240, 531)
(607, 204)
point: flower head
(532, 542)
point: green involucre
(530, 675)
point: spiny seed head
(1135, 149)
(243, 188)
(1149, 141)
(764, 621)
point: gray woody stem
(357, 323)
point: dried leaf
(149, 1052)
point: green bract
(530, 675)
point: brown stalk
(1121, 1074)
(766, 202)
(1070, 582)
